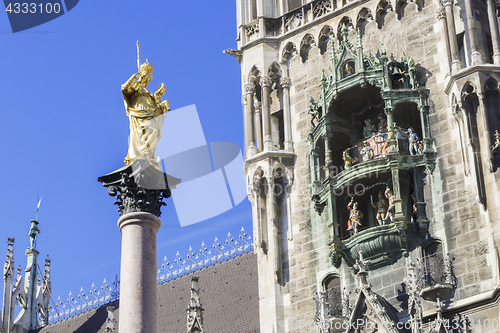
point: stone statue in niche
(355, 216)
(348, 69)
(390, 209)
(413, 140)
(409, 71)
(413, 208)
(382, 124)
(369, 129)
(348, 159)
(366, 152)
(381, 207)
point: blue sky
(64, 124)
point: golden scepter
(138, 61)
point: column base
(455, 66)
(269, 145)
(476, 58)
(496, 59)
(251, 151)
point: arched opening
(276, 107)
(350, 112)
(331, 286)
(320, 162)
(282, 211)
(347, 22)
(260, 188)
(470, 103)
(325, 35)
(433, 262)
(383, 8)
(288, 51)
(364, 16)
(305, 46)
(400, 8)
(492, 98)
(406, 116)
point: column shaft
(471, 23)
(265, 82)
(249, 132)
(452, 35)
(444, 27)
(492, 18)
(138, 299)
(258, 125)
(287, 116)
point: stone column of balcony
(258, 125)
(441, 15)
(476, 58)
(492, 19)
(265, 82)
(248, 110)
(452, 36)
(285, 85)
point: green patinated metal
(362, 86)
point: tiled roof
(228, 293)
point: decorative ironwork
(84, 301)
(332, 304)
(434, 270)
(207, 256)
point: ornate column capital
(266, 81)
(258, 106)
(250, 88)
(446, 2)
(441, 13)
(132, 198)
(139, 188)
(285, 82)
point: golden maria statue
(145, 111)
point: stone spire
(8, 279)
(194, 310)
(362, 266)
(44, 293)
(30, 292)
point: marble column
(249, 132)
(265, 83)
(287, 116)
(492, 18)
(139, 189)
(471, 23)
(452, 34)
(138, 300)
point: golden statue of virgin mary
(146, 112)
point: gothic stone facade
(312, 73)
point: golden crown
(146, 68)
